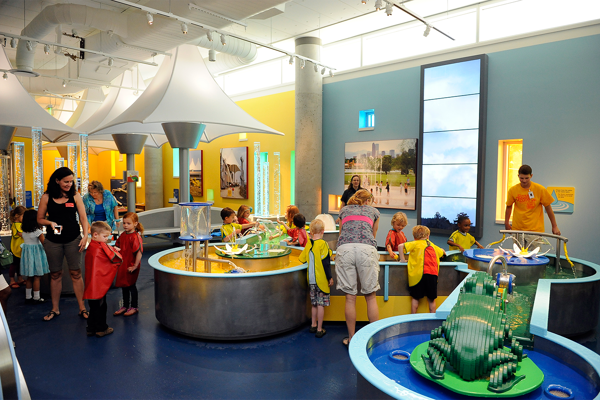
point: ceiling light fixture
(64, 83)
(110, 62)
(46, 49)
(389, 8)
(427, 30)
(29, 45)
(378, 5)
(331, 73)
(302, 63)
(316, 68)
(223, 41)
(150, 18)
(184, 28)
(13, 43)
(363, 1)
(209, 36)
(291, 60)
(5, 76)
(323, 71)
(212, 55)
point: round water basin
(527, 270)
(271, 298)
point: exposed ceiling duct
(126, 34)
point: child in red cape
(129, 244)
(101, 263)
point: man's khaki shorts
(354, 260)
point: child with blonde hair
(129, 244)
(395, 236)
(318, 256)
(423, 267)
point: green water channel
(520, 303)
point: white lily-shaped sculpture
(522, 252)
(232, 250)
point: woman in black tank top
(58, 210)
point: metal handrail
(11, 377)
(550, 235)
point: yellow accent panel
(278, 112)
(396, 305)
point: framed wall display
(196, 178)
(387, 168)
(234, 172)
(118, 188)
(452, 144)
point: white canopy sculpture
(183, 90)
(18, 109)
(94, 146)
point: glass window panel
(448, 209)
(452, 80)
(516, 17)
(450, 180)
(451, 114)
(409, 41)
(342, 56)
(451, 147)
(253, 78)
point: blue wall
(548, 95)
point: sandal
(313, 329)
(51, 315)
(321, 333)
(108, 331)
(346, 341)
(84, 314)
(120, 311)
(15, 285)
(131, 311)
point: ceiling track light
(323, 71)
(5, 76)
(363, 1)
(316, 68)
(13, 43)
(378, 5)
(29, 45)
(150, 18)
(291, 60)
(46, 49)
(184, 28)
(209, 36)
(64, 83)
(302, 63)
(389, 8)
(427, 30)
(212, 55)
(223, 41)
(110, 61)
(331, 73)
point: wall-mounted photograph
(387, 168)
(234, 172)
(196, 181)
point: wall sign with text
(564, 199)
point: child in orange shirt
(396, 237)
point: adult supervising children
(529, 198)
(58, 210)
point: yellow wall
(277, 112)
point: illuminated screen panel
(453, 120)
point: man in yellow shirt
(529, 197)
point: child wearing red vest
(101, 263)
(423, 267)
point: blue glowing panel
(451, 114)
(450, 180)
(452, 80)
(440, 213)
(453, 147)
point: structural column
(184, 136)
(309, 128)
(130, 144)
(6, 135)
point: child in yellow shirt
(230, 229)
(461, 239)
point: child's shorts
(426, 287)
(317, 297)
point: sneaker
(321, 333)
(131, 311)
(108, 331)
(34, 301)
(120, 311)
(313, 329)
